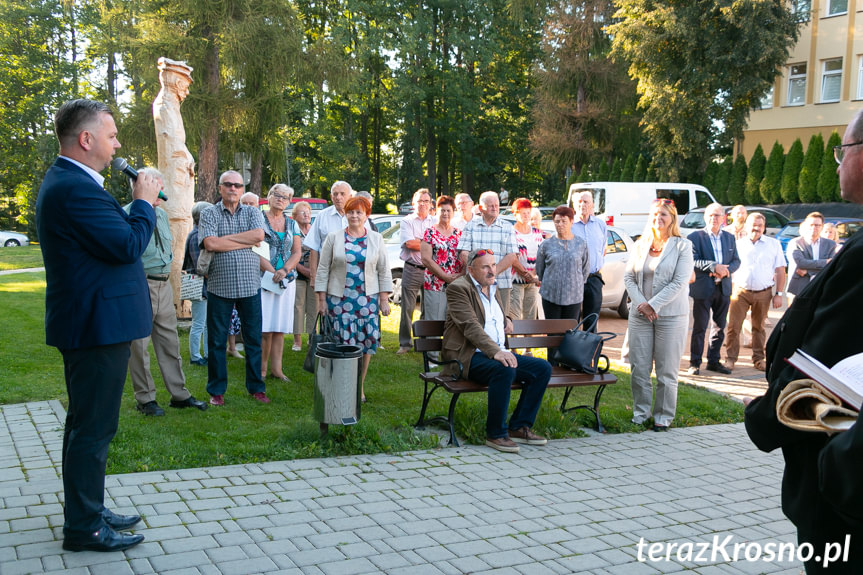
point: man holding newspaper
(822, 490)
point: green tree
(772, 182)
(640, 169)
(754, 176)
(807, 185)
(709, 179)
(604, 172)
(737, 183)
(616, 170)
(723, 177)
(585, 103)
(701, 65)
(828, 179)
(791, 173)
(584, 174)
(652, 175)
(628, 169)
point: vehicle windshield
(791, 231)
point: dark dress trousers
(708, 296)
(822, 488)
(96, 303)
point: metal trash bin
(337, 383)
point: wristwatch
(779, 293)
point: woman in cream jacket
(657, 280)
(353, 282)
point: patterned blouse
(528, 245)
(444, 254)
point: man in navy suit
(716, 259)
(96, 303)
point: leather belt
(162, 278)
(415, 265)
(758, 290)
(595, 275)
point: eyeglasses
(235, 185)
(278, 197)
(839, 151)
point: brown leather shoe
(761, 365)
(502, 444)
(526, 436)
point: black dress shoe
(105, 539)
(151, 408)
(660, 428)
(718, 368)
(190, 402)
(119, 521)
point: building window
(860, 80)
(831, 80)
(767, 99)
(797, 84)
(802, 9)
(837, 7)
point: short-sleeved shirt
(594, 233)
(499, 237)
(528, 246)
(444, 253)
(413, 228)
(234, 274)
(326, 222)
(758, 263)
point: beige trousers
(166, 344)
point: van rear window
(598, 198)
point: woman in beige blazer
(657, 280)
(353, 282)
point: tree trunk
(257, 169)
(208, 160)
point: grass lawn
(247, 431)
(21, 257)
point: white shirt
(100, 179)
(329, 220)
(413, 228)
(494, 319)
(758, 263)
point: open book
(817, 404)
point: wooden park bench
(527, 334)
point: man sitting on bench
(474, 334)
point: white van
(627, 204)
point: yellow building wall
(823, 38)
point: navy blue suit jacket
(97, 293)
(705, 259)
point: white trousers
(660, 343)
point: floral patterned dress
(355, 314)
(444, 254)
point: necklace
(655, 250)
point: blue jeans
(198, 332)
(218, 320)
(532, 372)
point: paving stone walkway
(574, 506)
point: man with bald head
(822, 490)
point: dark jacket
(822, 488)
(97, 293)
(705, 262)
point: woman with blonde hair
(657, 281)
(353, 282)
(277, 309)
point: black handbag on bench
(581, 350)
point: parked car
(694, 219)
(13, 239)
(385, 221)
(406, 208)
(614, 294)
(845, 228)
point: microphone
(122, 165)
